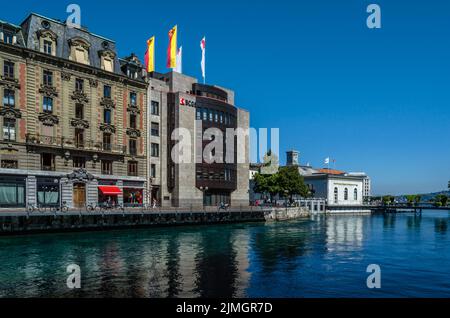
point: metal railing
(72, 143)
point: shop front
(12, 191)
(108, 195)
(48, 192)
(133, 194)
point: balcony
(68, 144)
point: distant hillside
(427, 196)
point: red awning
(110, 190)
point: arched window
(79, 50)
(346, 194)
(336, 195)
(355, 195)
(47, 41)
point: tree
(266, 184)
(291, 183)
(388, 199)
(441, 200)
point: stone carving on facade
(133, 133)
(79, 123)
(10, 112)
(48, 91)
(93, 82)
(108, 128)
(79, 42)
(48, 119)
(79, 97)
(133, 109)
(65, 76)
(47, 34)
(107, 103)
(9, 83)
(80, 175)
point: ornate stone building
(73, 118)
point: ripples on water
(320, 257)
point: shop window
(12, 192)
(48, 191)
(132, 197)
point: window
(48, 47)
(107, 167)
(79, 162)
(221, 117)
(133, 99)
(48, 192)
(79, 111)
(9, 129)
(199, 114)
(216, 116)
(107, 142)
(155, 108)
(132, 168)
(155, 150)
(47, 105)
(133, 147)
(210, 115)
(8, 69)
(8, 37)
(153, 170)
(355, 195)
(79, 138)
(107, 91)
(133, 121)
(336, 193)
(108, 64)
(155, 129)
(10, 164)
(48, 78)
(107, 116)
(81, 56)
(346, 194)
(9, 98)
(205, 114)
(79, 85)
(48, 162)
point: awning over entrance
(110, 190)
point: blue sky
(375, 100)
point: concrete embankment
(23, 223)
(283, 214)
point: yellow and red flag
(150, 55)
(172, 49)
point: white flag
(203, 63)
(179, 67)
(327, 161)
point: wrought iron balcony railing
(70, 143)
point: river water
(325, 256)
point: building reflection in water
(344, 233)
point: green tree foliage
(441, 200)
(291, 183)
(388, 199)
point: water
(320, 257)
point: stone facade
(77, 108)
